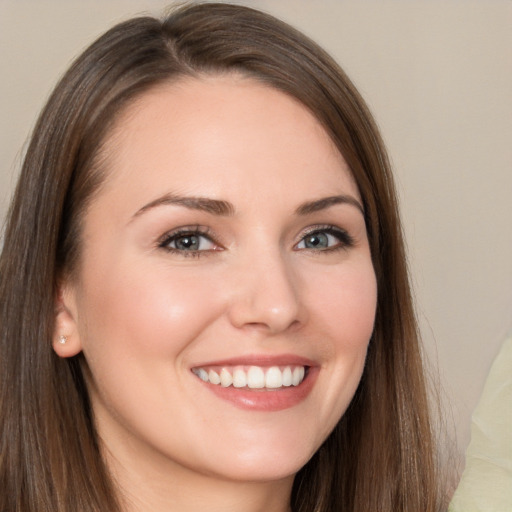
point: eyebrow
(326, 202)
(204, 204)
(225, 208)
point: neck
(178, 489)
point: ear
(66, 337)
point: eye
(325, 239)
(188, 241)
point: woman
(204, 292)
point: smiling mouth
(253, 377)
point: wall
(437, 75)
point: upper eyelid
(322, 227)
(204, 231)
(184, 230)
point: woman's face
(227, 244)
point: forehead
(216, 134)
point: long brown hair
(380, 455)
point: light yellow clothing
(486, 484)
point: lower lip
(266, 399)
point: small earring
(62, 339)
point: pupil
(188, 242)
(317, 240)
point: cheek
(346, 304)
(139, 323)
(148, 310)
(345, 313)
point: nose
(266, 295)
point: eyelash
(344, 240)
(196, 231)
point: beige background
(438, 77)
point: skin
(144, 316)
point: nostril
(270, 328)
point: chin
(263, 463)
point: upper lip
(260, 360)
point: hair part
(380, 455)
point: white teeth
(254, 377)
(239, 378)
(273, 378)
(287, 376)
(298, 375)
(213, 377)
(202, 374)
(225, 378)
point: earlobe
(66, 338)
(66, 346)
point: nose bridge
(266, 292)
